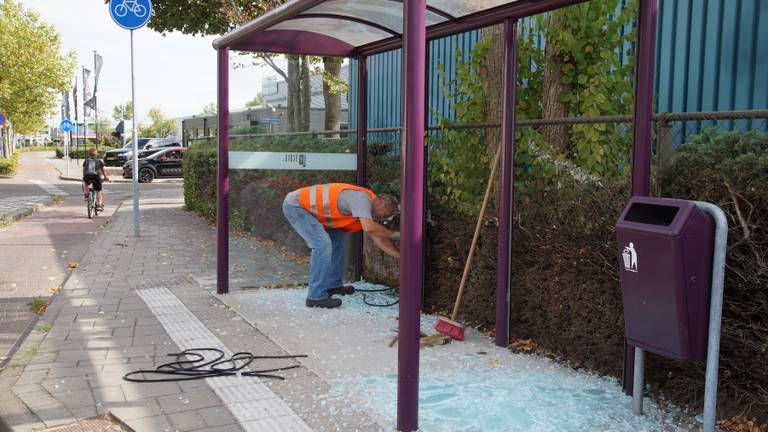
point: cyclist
(93, 171)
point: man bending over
(322, 215)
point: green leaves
(32, 71)
(159, 126)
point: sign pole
(66, 149)
(135, 139)
(130, 16)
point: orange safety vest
(322, 201)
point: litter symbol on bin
(630, 258)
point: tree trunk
(492, 74)
(332, 98)
(294, 93)
(306, 94)
(555, 135)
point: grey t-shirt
(92, 166)
(351, 202)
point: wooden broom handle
(479, 225)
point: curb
(51, 200)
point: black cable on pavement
(365, 298)
(194, 366)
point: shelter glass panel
(460, 8)
(386, 13)
(352, 33)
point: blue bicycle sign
(66, 126)
(130, 14)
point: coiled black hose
(365, 298)
(194, 366)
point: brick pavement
(35, 253)
(99, 327)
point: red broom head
(450, 328)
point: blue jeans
(326, 268)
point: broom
(450, 327)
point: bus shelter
(359, 29)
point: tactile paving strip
(252, 403)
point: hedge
(8, 165)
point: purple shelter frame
(362, 148)
(507, 183)
(222, 175)
(257, 36)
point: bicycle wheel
(139, 11)
(89, 204)
(121, 10)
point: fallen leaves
(54, 290)
(525, 345)
(38, 306)
(73, 264)
(742, 424)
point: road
(37, 253)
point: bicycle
(123, 8)
(90, 203)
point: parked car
(164, 163)
(119, 156)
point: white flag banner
(98, 61)
(86, 91)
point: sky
(176, 72)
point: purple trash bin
(665, 255)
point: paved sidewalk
(133, 301)
(35, 254)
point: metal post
(715, 313)
(362, 149)
(665, 141)
(643, 115)
(67, 141)
(222, 177)
(135, 137)
(412, 223)
(507, 184)
(643, 126)
(638, 383)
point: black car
(162, 164)
(119, 156)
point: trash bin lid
(662, 216)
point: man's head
(93, 153)
(384, 207)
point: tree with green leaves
(123, 112)
(32, 71)
(209, 109)
(256, 102)
(583, 67)
(159, 125)
(219, 17)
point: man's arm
(104, 173)
(375, 230)
(388, 246)
(383, 237)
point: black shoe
(342, 290)
(328, 303)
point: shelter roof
(350, 28)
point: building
(274, 91)
(271, 116)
